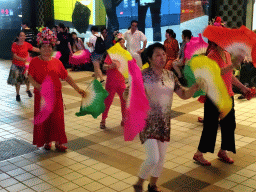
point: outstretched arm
(74, 85)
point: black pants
(210, 127)
(155, 9)
(65, 58)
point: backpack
(100, 47)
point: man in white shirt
(97, 50)
(133, 38)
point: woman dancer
(211, 113)
(172, 48)
(115, 83)
(159, 85)
(53, 128)
(20, 50)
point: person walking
(160, 84)
(97, 45)
(53, 128)
(115, 83)
(20, 50)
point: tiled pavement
(102, 161)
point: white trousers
(155, 154)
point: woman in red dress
(172, 48)
(17, 76)
(52, 129)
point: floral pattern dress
(160, 95)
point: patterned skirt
(17, 75)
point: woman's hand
(82, 92)
(245, 90)
(116, 64)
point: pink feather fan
(137, 104)
(80, 57)
(47, 100)
(195, 46)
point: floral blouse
(160, 95)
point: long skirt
(53, 129)
(17, 75)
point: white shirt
(134, 40)
(93, 40)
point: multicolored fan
(93, 103)
(207, 72)
(56, 54)
(47, 100)
(191, 79)
(80, 57)
(235, 41)
(137, 104)
(196, 46)
(116, 52)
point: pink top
(227, 77)
(114, 75)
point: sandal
(200, 119)
(153, 188)
(137, 188)
(200, 159)
(47, 146)
(223, 156)
(61, 147)
(103, 125)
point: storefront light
(86, 2)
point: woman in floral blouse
(159, 85)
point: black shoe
(153, 188)
(17, 97)
(29, 93)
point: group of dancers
(160, 83)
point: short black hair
(151, 48)
(102, 29)
(171, 33)
(73, 33)
(187, 33)
(94, 28)
(61, 25)
(134, 21)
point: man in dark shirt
(108, 37)
(63, 44)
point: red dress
(172, 49)
(53, 129)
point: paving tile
(24, 176)
(93, 186)
(42, 187)
(68, 187)
(8, 182)
(16, 187)
(33, 181)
